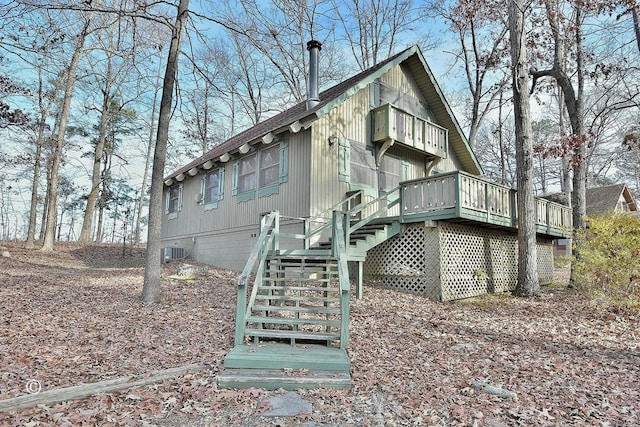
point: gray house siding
(224, 236)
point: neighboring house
(371, 178)
(600, 200)
(612, 198)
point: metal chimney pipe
(314, 48)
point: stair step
(289, 277)
(296, 298)
(301, 309)
(273, 366)
(292, 321)
(275, 379)
(316, 260)
(288, 334)
(298, 288)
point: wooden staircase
(298, 301)
(294, 330)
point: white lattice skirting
(449, 261)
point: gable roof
(298, 116)
(605, 199)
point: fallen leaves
(74, 317)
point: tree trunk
(565, 183)
(44, 111)
(578, 197)
(31, 232)
(636, 25)
(151, 291)
(49, 234)
(45, 208)
(528, 284)
(85, 232)
(143, 186)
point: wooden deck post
(359, 283)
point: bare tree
(373, 28)
(279, 31)
(110, 48)
(61, 127)
(528, 284)
(151, 291)
(483, 53)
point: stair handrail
(325, 215)
(258, 255)
(395, 192)
(339, 248)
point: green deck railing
(465, 196)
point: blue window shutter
(283, 174)
(344, 160)
(221, 183)
(234, 178)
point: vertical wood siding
(399, 77)
(291, 200)
(225, 236)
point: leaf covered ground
(74, 316)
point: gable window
(261, 172)
(212, 188)
(173, 202)
(382, 93)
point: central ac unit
(171, 253)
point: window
(263, 172)
(247, 174)
(385, 94)
(212, 188)
(356, 165)
(269, 161)
(173, 203)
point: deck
(464, 197)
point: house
(611, 198)
(372, 178)
(599, 200)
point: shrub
(608, 267)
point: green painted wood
(297, 298)
(289, 334)
(299, 252)
(301, 309)
(481, 218)
(272, 379)
(292, 321)
(282, 356)
(300, 280)
(301, 288)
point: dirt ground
(74, 316)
